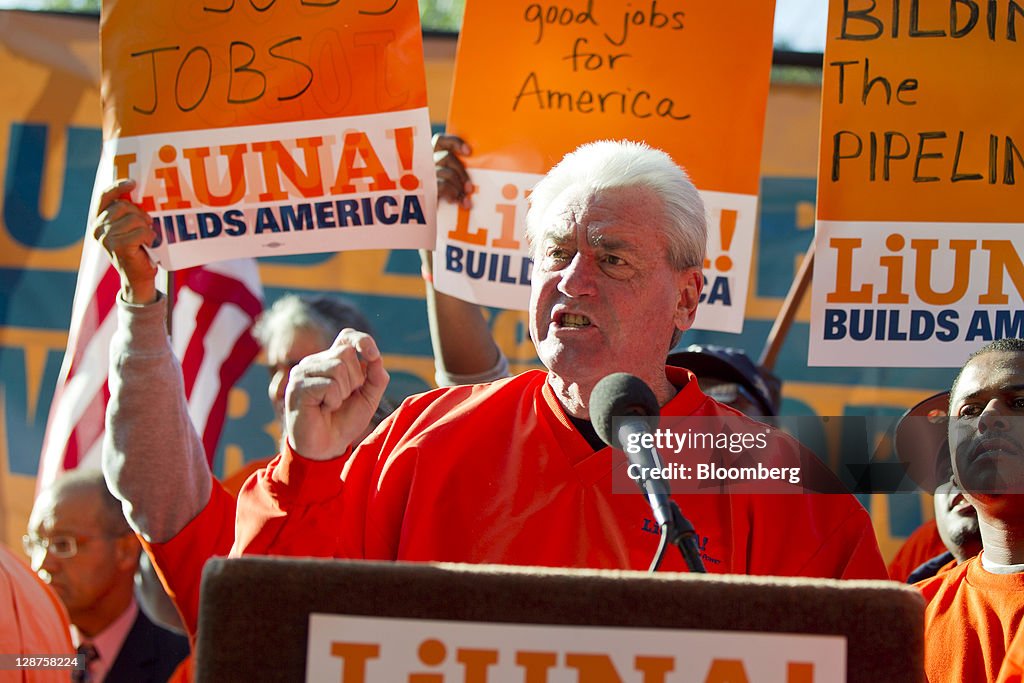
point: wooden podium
(255, 625)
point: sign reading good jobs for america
(383, 650)
(535, 80)
(920, 198)
(269, 128)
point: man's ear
(127, 551)
(690, 283)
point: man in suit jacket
(81, 545)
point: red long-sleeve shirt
(497, 473)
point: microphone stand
(675, 528)
(679, 531)
(626, 395)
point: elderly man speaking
(512, 472)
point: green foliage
(71, 5)
(436, 15)
(441, 15)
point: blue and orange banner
(534, 81)
(920, 205)
(50, 142)
(268, 129)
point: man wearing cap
(956, 522)
(921, 443)
(730, 377)
(976, 608)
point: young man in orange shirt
(976, 608)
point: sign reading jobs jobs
(920, 206)
(263, 129)
(369, 649)
(533, 81)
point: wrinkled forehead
(71, 508)
(603, 210)
(294, 343)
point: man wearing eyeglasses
(80, 544)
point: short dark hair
(1010, 345)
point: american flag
(214, 309)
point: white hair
(610, 164)
(328, 315)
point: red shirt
(920, 546)
(496, 473)
(180, 560)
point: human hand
(332, 396)
(123, 230)
(452, 177)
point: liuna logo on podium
(371, 649)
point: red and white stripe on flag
(215, 307)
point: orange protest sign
(269, 128)
(171, 66)
(920, 211)
(920, 113)
(535, 80)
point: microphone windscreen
(620, 395)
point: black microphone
(628, 398)
(621, 395)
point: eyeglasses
(63, 547)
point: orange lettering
(432, 653)
(462, 233)
(655, 668)
(123, 165)
(476, 663)
(727, 671)
(171, 180)
(593, 668)
(1002, 258)
(353, 659)
(923, 270)
(123, 169)
(276, 160)
(201, 182)
(799, 672)
(893, 265)
(357, 144)
(535, 665)
(507, 239)
(844, 293)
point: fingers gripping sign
(124, 231)
(453, 182)
(332, 395)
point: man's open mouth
(958, 504)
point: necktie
(87, 652)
